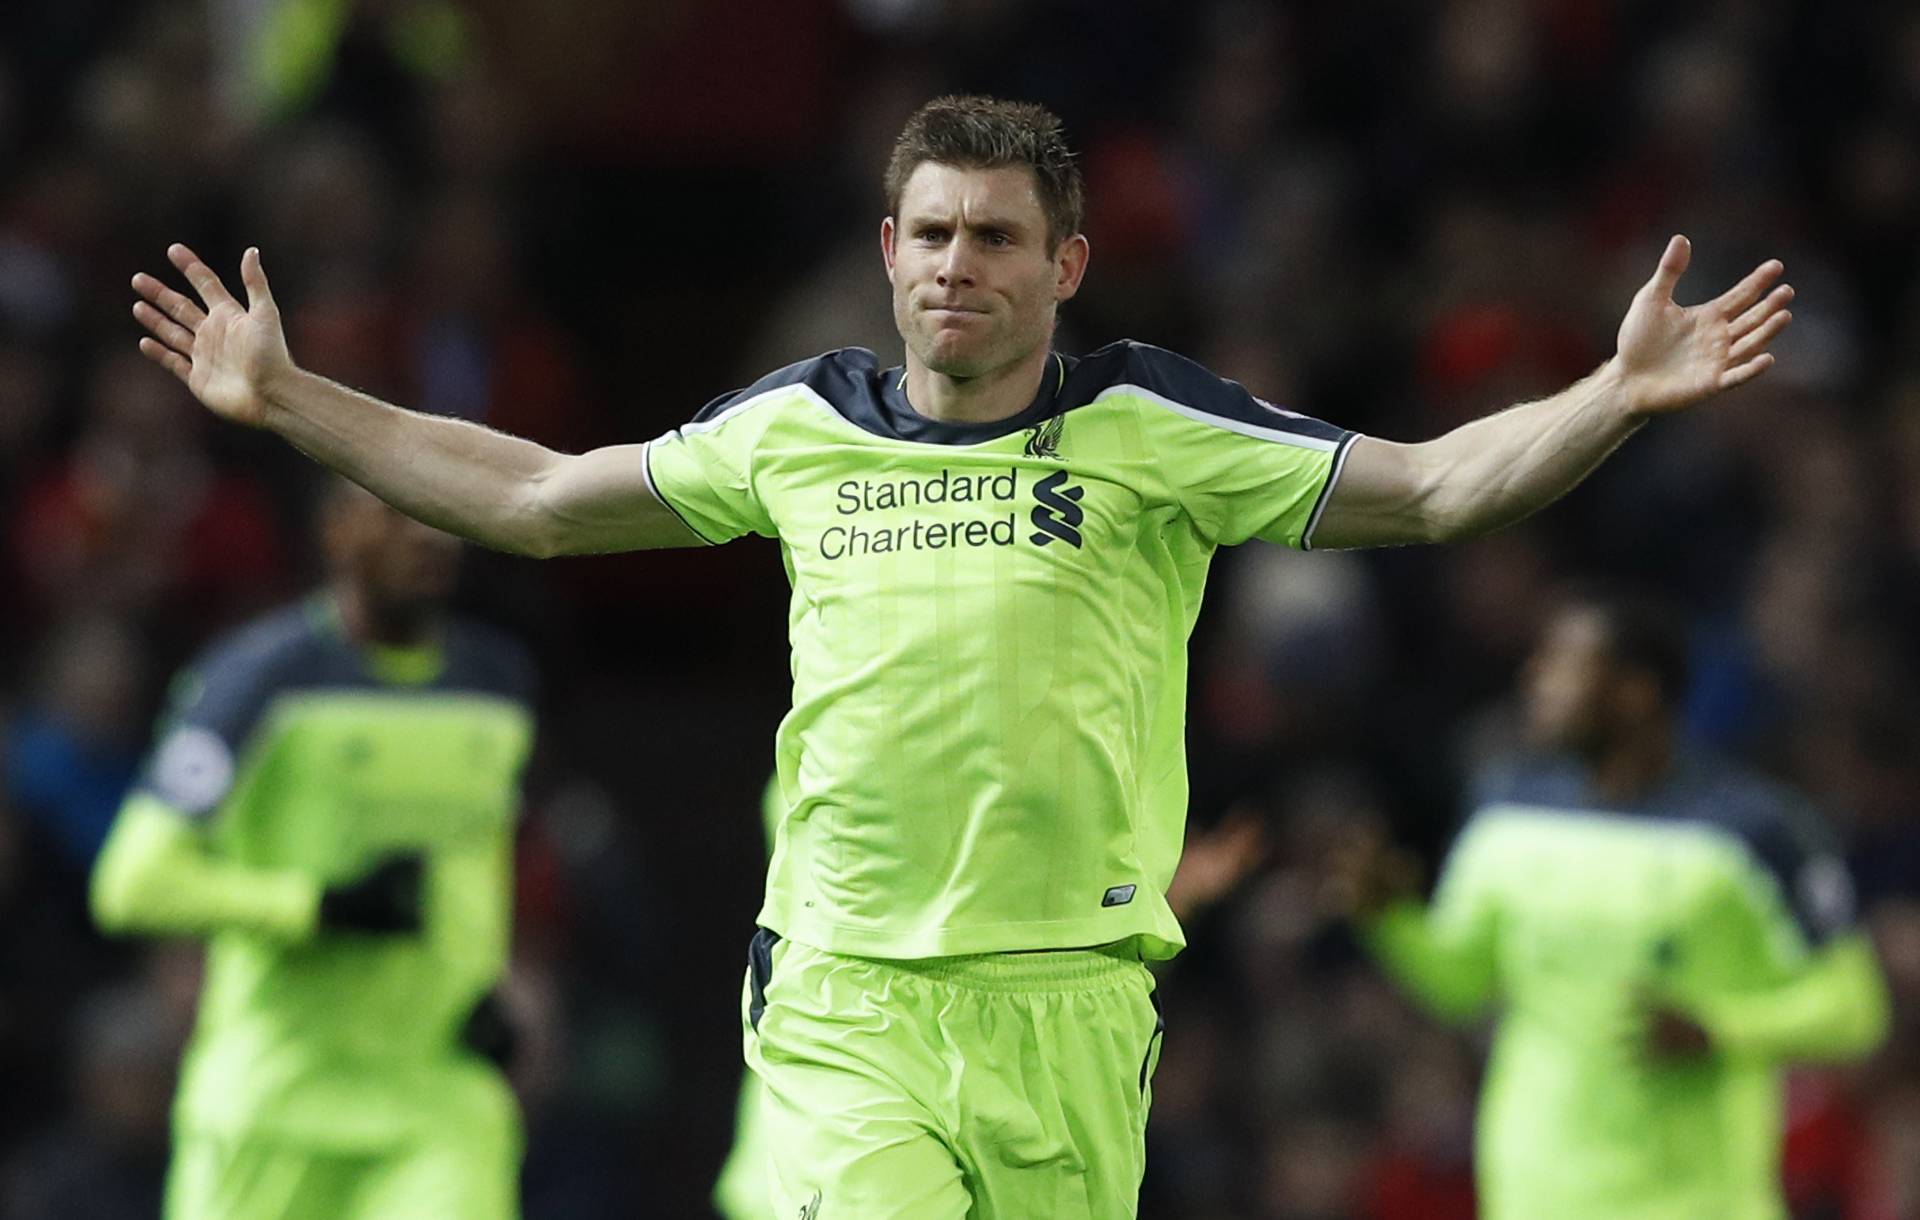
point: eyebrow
(1001, 224)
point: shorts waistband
(1050, 970)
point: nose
(956, 269)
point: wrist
(277, 388)
(1619, 392)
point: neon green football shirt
(989, 625)
(299, 755)
(1573, 914)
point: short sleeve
(703, 469)
(1241, 467)
(212, 711)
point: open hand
(1214, 864)
(1672, 356)
(225, 353)
(1366, 873)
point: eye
(996, 237)
(931, 233)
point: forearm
(156, 878)
(458, 476)
(1498, 470)
(1453, 981)
(1836, 1010)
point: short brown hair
(973, 132)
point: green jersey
(1713, 894)
(989, 624)
(299, 760)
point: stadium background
(581, 219)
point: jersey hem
(1155, 944)
(646, 472)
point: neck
(368, 622)
(1634, 764)
(1000, 394)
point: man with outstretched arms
(331, 805)
(996, 552)
(1660, 931)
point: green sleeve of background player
(157, 876)
(1835, 1009)
(1451, 974)
(1443, 954)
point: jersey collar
(900, 419)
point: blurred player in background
(1660, 931)
(997, 554)
(331, 806)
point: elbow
(536, 528)
(1438, 512)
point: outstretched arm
(1494, 471)
(1442, 955)
(1834, 1010)
(498, 490)
(156, 877)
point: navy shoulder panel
(218, 700)
(1193, 385)
(1787, 838)
(844, 378)
(228, 687)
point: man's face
(1569, 684)
(975, 278)
(399, 564)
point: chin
(959, 364)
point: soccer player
(1660, 931)
(331, 806)
(997, 552)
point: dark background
(579, 220)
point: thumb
(1673, 263)
(254, 277)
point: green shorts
(1007, 1086)
(212, 1178)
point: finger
(1743, 373)
(1777, 299)
(1673, 263)
(169, 332)
(254, 278)
(175, 305)
(201, 276)
(167, 358)
(1756, 341)
(1747, 291)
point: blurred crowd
(579, 220)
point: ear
(1071, 259)
(886, 245)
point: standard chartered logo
(872, 508)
